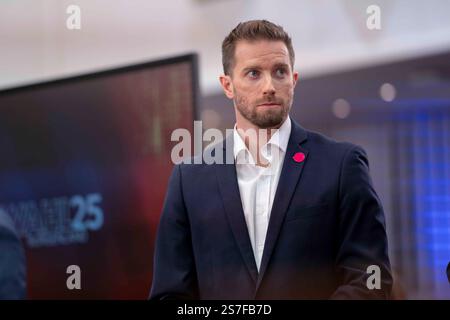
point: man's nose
(269, 88)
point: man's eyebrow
(253, 67)
(256, 67)
(281, 64)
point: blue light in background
(430, 156)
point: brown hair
(250, 31)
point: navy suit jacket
(326, 227)
(12, 261)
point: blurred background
(387, 90)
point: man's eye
(253, 73)
(280, 72)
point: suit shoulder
(6, 223)
(212, 154)
(329, 145)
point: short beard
(272, 118)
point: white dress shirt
(257, 184)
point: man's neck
(249, 131)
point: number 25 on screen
(89, 214)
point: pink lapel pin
(299, 157)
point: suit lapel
(287, 183)
(229, 190)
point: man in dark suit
(12, 261)
(293, 216)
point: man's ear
(295, 78)
(227, 86)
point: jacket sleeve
(174, 273)
(362, 233)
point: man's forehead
(261, 51)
